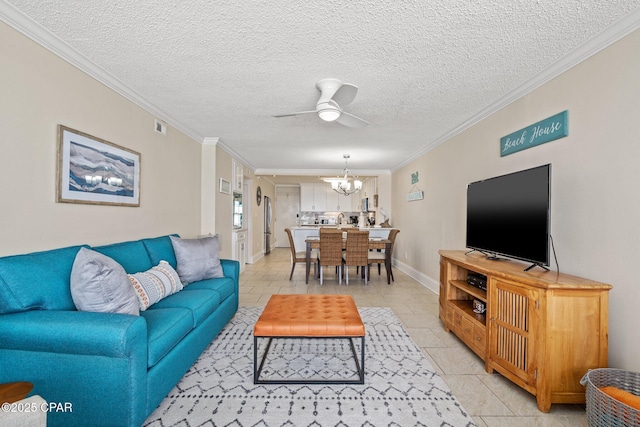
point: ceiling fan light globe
(329, 115)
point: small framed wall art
(225, 186)
(94, 171)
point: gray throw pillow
(98, 283)
(197, 259)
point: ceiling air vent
(161, 127)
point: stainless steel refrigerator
(267, 225)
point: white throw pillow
(152, 285)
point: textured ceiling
(221, 69)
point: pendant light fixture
(348, 184)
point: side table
(12, 392)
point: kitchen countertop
(321, 225)
(312, 226)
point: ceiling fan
(334, 96)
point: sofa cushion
(197, 259)
(37, 281)
(224, 286)
(154, 284)
(201, 303)
(132, 256)
(165, 328)
(100, 284)
(160, 248)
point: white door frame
(247, 223)
(284, 241)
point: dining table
(313, 242)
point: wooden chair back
(379, 256)
(292, 245)
(330, 247)
(357, 248)
(392, 236)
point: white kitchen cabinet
(349, 203)
(238, 173)
(313, 197)
(306, 197)
(333, 199)
(239, 247)
(341, 203)
(368, 189)
(322, 198)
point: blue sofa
(109, 369)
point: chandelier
(348, 184)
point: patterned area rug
(401, 387)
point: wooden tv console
(542, 330)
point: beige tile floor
(491, 400)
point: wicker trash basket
(602, 409)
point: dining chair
(378, 257)
(330, 254)
(299, 256)
(356, 253)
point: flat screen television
(509, 215)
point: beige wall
(40, 91)
(224, 204)
(595, 179)
(209, 188)
(253, 214)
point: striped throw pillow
(154, 284)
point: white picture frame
(225, 186)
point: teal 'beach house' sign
(544, 131)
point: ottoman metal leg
(257, 370)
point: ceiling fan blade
(345, 94)
(294, 114)
(352, 121)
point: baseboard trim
(256, 257)
(423, 279)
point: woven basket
(602, 409)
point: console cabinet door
(513, 322)
(442, 299)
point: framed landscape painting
(94, 171)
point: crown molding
(321, 172)
(601, 41)
(233, 154)
(210, 140)
(31, 29)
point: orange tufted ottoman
(309, 316)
